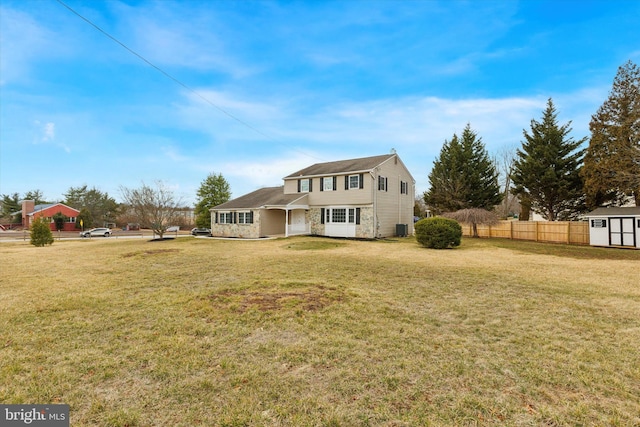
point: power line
(175, 80)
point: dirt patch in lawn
(150, 252)
(307, 299)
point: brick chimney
(28, 206)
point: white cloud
(48, 132)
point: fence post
(536, 223)
(568, 232)
(511, 229)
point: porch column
(286, 222)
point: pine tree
(463, 176)
(41, 233)
(611, 170)
(213, 191)
(546, 171)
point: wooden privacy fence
(571, 232)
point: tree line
(551, 173)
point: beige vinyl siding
(272, 221)
(339, 196)
(392, 207)
(291, 186)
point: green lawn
(321, 332)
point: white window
(245, 217)
(304, 186)
(354, 181)
(382, 183)
(404, 187)
(225, 218)
(327, 183)
(338, 215)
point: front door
(622, 232)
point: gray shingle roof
(615, 211)
(269, 196)
(341, 166)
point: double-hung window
(404, 187)
(328, 183)
(354, 181)
(305, 185)
(225, 218)
(245, 217)
(382, 183)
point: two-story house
(361, 198)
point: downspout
(375, 202)
(400, 200)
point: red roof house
(31, 211)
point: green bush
(41, 233)
(438, 232)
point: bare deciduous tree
(155, 208)
(475, 217)
(505, 160)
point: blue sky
(265, 88)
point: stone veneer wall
(364, 230)
(247, 231)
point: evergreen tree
(213, 191)
(36, 195)
(463, 176)
(546, 171)
(10, 205)
(102, 207)
(41, 233)
(611, 170)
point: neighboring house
(370, 197)
(616, 227)
(30, 211)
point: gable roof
(622, 211)
(268, 196)
(342, 166)
(44, 206)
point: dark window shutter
(235, 217)
(321, 184)
(216, 218)
(357, 215)
(361, 180)
(335, 183)
(251, 217)
(321, 215)
(310, 185)
(299, 186)
(346, 182)
(386, 184)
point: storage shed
(615, 227)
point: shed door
(621, 232)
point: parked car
(173, 229)
(201, 232)
(106, 232)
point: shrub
(41, 233)
(438, 233)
